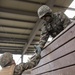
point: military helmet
(5, 59)
(43, 10)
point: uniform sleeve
(44, 36)
(24, 66)
(64, 19)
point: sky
(69, 13)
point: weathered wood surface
(58, 58)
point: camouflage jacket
(24, 66)
(60, 22)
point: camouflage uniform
(6, 59)
(24, 66)
(59, 22)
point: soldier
(10, 68)
(55, 23)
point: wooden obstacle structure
(58, 58)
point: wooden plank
(59, 53)
(62, 63)
(66, 71)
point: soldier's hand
(38, 49)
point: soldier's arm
(44, 37)
(66, 21)
(30, 64)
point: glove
(38, 49)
